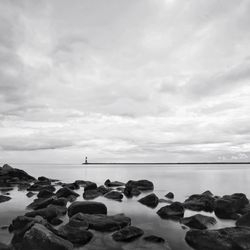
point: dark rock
(198, 221)
(87, 207)
(45, 194)
(4, 227)
(90, 186)
(127, 234)
(200, 202)
(43, 179)
(4, 190)
(56, 221)
(40, 238)
(150, 200)
(142, 185)
(173, 211)
(153, 238)
(41, 186)
(103, 223)
(231, 238)
(245, 209)
(40, 203)
(91, 194)
(60, 202)
(109, 183)
(208, 193)
(75, 234)
(4, 198)
(114, 195)
(103, 190)
(4, 246)
(244, 220)
(30, 194)
(229, 206)
(66, 193)
(130, 191)
(72, 186)
(23, 186)
(80, 183)
(170, 195)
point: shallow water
(182, 180)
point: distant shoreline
(164, 163)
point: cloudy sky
(124, 80)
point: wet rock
(72, 186)
(45, 194)
(4, 246)
(229, 206)
(43, 179)
(4, 198)
(198, 221)
(91, 194)
(200, 202)
(56, 221)
(109, 183)
(103, 223)
(173, 211)
(208, 193)
(30, 194)
(169, 195)
(244, 220)
(4, 190)
(130, 191)
(87, 207)
(153, 238)
(80, 183)
(230, 238)
(76, 235)
(129, 233)
(103, 190)
(245, 209)
(66, 193)
(41, 186)
(23, 186)
(150, 200)
(114, 195)
(40, 238)
(60, 202)
(142, 185)
(40, 203)
(90, 186)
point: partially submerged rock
(154, 238)
(45, 194)
(101, 222)
(131, 191)
(4, 246)
(198, 221)
(87, 207)
(150, 200)
(169, 195)
(4, 198)
(127, 234)
(114, 195)
(67, 193)
(231, 238)
(90, 186)
(142, 185)
(244, 220)
(91, 194)
(109, 183)
(30, 194)
(173, 211)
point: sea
(182, 180)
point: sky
(124, 80)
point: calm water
(181, 180)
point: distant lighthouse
(86, 160)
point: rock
(49, 212)
(200, 202)
(142, 185)
(165, 201)
(230, 238)
(90, 186)
(60, 202)
(244, 220)
(170, 195)
(208, 193)
(80, 183)
(245, 209)
(87, 207)
(91, 194)
(127, 234)
(41, 186)
(4, 198)
(40, 203)
(153, 238)
(150, 200)
(30, 194)
(103, 190)
(229, 206)
(173, 211)
(114, 195)
(43, 179)
(72, 186)
(56, 221)
(198, 221)
(24, 185)
(75, 234)
(40, 238)
(4, 190)
(4, 246)
(66, 193)
(103, 223)
(109, 183)
(130, 191)
(45, 194)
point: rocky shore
(56, 219)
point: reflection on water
(181, 180)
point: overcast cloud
(124, 80)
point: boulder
(130, 191)
(169, 195)
(109, 183)
(150, 200)
(72, 186)
(66, 193)
(90, 186)
(45, 194)
(56, 221)
(129, 233)
(4, 246)
(40, 203)
(43, 179)
(103, 190)
(154, 239)
(198, 221)
(60, 202)
(114, 195)
(228, 206)
(173, 211)
(200, 202)
(30, 194)
(4, 198)
(41, 186)
(87, 207)
(244, 220)
(40, 238)
(230, 238)
(101, 222)
(91, 194)
(142, 185)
